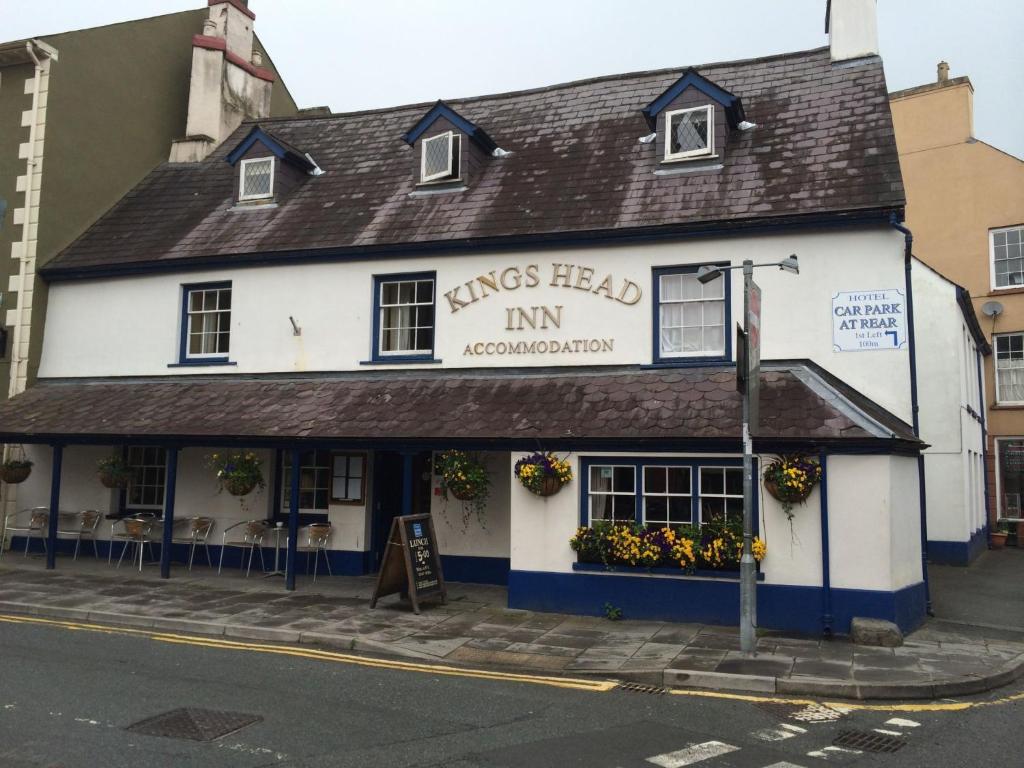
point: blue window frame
(205, 323)
(659, 492)
(691, 319)
(404, 316)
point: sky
(362, 54)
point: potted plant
(997, 536)
(790, 479)
(238, 472)
(464, 477)
(543, 473)
(15, 471)
(113, 471)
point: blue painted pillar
(407, 483)
(51, 533)
(826, 567)
(172, 480)
(293, 521)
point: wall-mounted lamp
(296, 331)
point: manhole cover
(868, 741)
(194, 724)
(638, 688)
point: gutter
(908, 258)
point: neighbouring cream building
(347, 295)
(965, 207)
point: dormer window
(441, 157)
(689, 133)
(256, 179)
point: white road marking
(827, 752)
(694, 753)
(887, 733)
(900, 722)
(785, 731)
(794, 728)
(818, 713)
(783, 765)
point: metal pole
(748, 577)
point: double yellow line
(579, 684)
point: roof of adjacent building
(823, 145)
(523, 408)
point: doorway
(388, 469)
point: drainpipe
(908, 239)
(826, 571)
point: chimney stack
(852, 27)
(943, 72)
(228, 82)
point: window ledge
(674, 167)
(201, 363)
(403, 361)
(672, 573)
(690, 362)
(426, 190)
(1007, 407)
(251, 206)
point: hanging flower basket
(15, 471)
(542, 473)
(463, 492)
(239, 486)
(790, 495)
(239, 472)
(464, 477)
(790, 479)
(113, 472)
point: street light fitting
(790, 264)
(706, 274)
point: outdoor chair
(79, 525)
(135, 533)
(199, 529)
(317, 537)
(253, 532)
(27, 523)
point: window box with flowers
(543, 473)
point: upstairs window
(1009, 349)
(404, 317)
(256, 179)
(690, 316)
(206, 325)
(440, 157)
(1007, 247)
(689, 133)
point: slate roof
(823, 144)
(562, 407)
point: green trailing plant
(464, 476)
(114, 471)
(238, 472)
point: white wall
(460, 531)
(860, 546)
(333, 305)
(904, 522)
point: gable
(692, 79)
(457, 121)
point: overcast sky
(359, 54)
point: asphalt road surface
(68, 696)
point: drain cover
(638, 688)
(868, 741)
(194, 724)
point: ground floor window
(315, 470)
(659, 493)
(348, 478)
(1010, 480)
(149, 478)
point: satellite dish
(992, 309)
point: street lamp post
(749, 388)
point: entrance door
(387, 494)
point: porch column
(407, 483)
(293, 521)
(165, 546)
(54, 521)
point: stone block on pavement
(875, 632)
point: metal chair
(253, 533)
(199, 529)
(79, 525)
(317, 537)
(115, 536)
(33, 522)
(135, 534)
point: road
(68, 695)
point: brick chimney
(852, 27)
(943, 72)
(228, 83)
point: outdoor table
(278, 527)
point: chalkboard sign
(411, 564)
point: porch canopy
(619, 409)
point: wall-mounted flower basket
(543, 474)
(239, 486)
(113, 472)
(464, 477)
(15, 471)
(239, 472)
(792, 496)
(790, 479)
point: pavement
(944, 658)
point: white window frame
(995, 365)
(667, 495)
(141, 449)
(707, 151)
(344, 462)
(382, 307)
(992, 257)
(632, 494)
(190, 314)
(444, 175)
(701, 495)
(241, 179)
(286, 485)
(684, 354)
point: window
(689, 133)
(348, 478)
(256, 179)
(404, 322)
(721, 494)
(1007, 246)
(690, 317)
(612, 491)
(149, 476)
(1009, 368)
(206, 325)
(667, 499)
(1010, 477)
(315, 470)
(660, 492)
(440, 157)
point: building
(965, 207)
(85, 115)
(352, 294)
